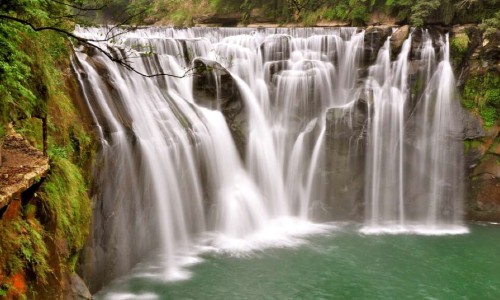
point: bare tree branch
(123, 22)
(90, 42)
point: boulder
(78, 289)
(472, 127)
(398, 38)
(276, 47)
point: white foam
(167, 269)
(130, 296)
(415, 229)
(279, 233)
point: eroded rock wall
(476, 61)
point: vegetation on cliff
(310, 12)
(482, 95)
(41, 240)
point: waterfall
(414, 180)
(273, 130)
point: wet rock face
(418, 38)
(475, 56)
(491, 47)
(472, 126)
(215, 88)
(276, 47)
(375, 37)
(272, 69)
(485, 188)
(482, 155)
(345, 160)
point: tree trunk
(44, 135)
(1, 146)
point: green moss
(2, 131)
(472, 144)
(489, 115)
(491, 25)
(65, 201)
(481, 95)
(31, 129)
(459, 44)
(22, 247)
(417, 87)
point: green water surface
(341, 265)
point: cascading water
(304, 112)
(423, 196)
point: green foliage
(491, 25)
(2, 131)
(359, 12)
(355, 12)
(33, 85)
(182, 17)
(459, 44)
(338, 12)
(310, 19)
(15, 92)
(31, 129)
(25, 76)
(482, 95)
(473, 144)
(224, 6)
(474, 11)
(133, 11)
(489, 115)
(309, 12)
(421, 10)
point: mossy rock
(481, 95)
(459, 46)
